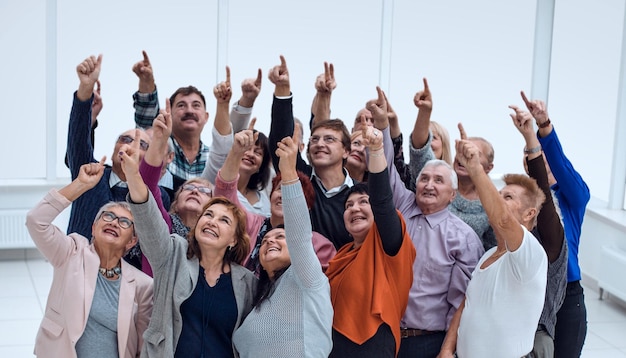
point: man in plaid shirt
(189, 116)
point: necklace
(110, 273)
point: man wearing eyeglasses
(328, 149)
(112, 185)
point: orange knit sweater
(369, 287)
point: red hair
(307, 187)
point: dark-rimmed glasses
(126, 139)
(123, 221)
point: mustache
(189, 116)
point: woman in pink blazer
(97, 302)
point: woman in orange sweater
(370, 278)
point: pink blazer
(76, 264)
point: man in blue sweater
(112, 185)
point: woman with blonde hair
(440, 143)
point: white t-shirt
(503, 303)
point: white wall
(477, 57)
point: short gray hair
(113, 204)
(441, 163)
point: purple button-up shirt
(447, 251)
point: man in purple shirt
(447, 249)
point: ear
(529, 215)
(489, 167)
(453, 196)
(346, 153)
(169, 158)
(206, 118)
(131, 243)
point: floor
(25, 283)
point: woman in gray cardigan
(293, 314)
(201, 293)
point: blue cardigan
(573, 195)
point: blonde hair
(440, 131)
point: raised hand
(468, 154)
(537, 108)
(223, 91)
(90, 174)
(162, 124)
(391, 114)
(129, 156)
(372, 138)
(143, 70)
(96, 105)
(279, 75)
(325, 82)
(250, 89)
(423, 99)
(462, 133)
(378, 107)
(88, 73)
(245, 139)
(287, 152)
(522, 120)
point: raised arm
(404, 169)
(423, 100)
(420, 149)
(152, 231)
(145, 100)
(222, 133)
(324, 86)
(298, 229)
(242, 109)
(381, 196)
(223, 93)
(506, 227)
(548, 222)
(282, 124)
(53, 243)
(573, 188)
(153, 161)
(79, 143)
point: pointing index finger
(252, 123)
(426, 88)
(525, 99)
(462, 131)
(228, 74)
(381, 95)
(283, 62)
(297, 132)
(146, 60)
(259, 77)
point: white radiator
(13, 233)
(612, 276)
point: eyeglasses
(123, 221)
(328, 139)
(126, 139)
(202, 189)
